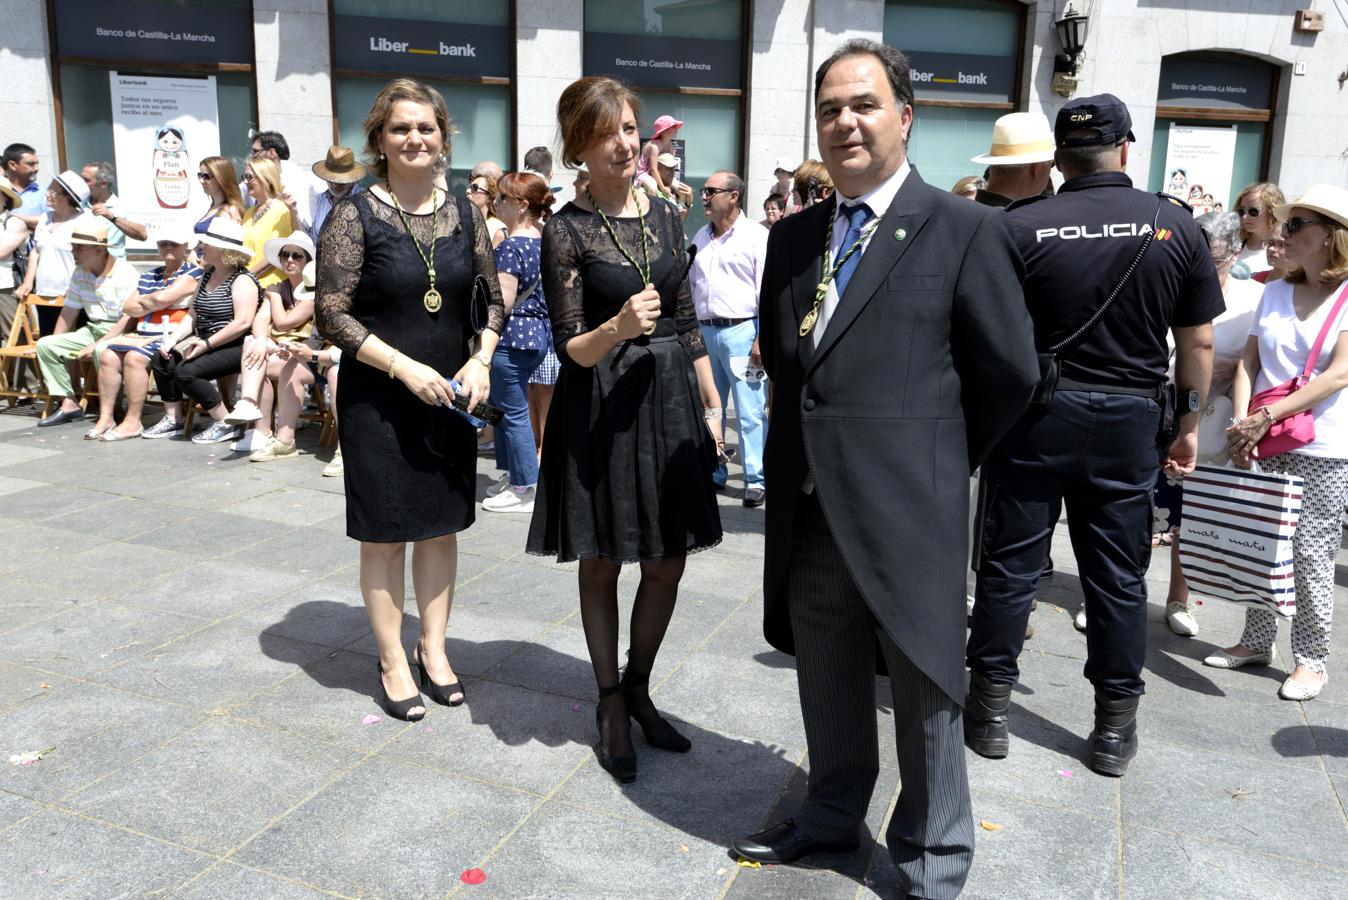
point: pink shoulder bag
(1298, 429)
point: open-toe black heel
(622, 768)
(659, 733)
(399, 709)
(440, 693)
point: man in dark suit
(896, 368)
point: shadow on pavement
(1328, 741)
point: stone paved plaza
(182, 631)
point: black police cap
(1104, 115)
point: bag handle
(1323, 335)
(1072, 339)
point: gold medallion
(807, 323)
(432, 301)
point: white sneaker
(518, 500)
(249, 442)
(1079, 621)
(1181, 619)
(244, 413)
(501, 484)
(335, 468)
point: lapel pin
(900, 234)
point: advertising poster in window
(162, 128)
(1198, 165)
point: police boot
(1114, 741)
(985, 712)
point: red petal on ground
(473, 876)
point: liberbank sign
(404, 46)
(969, 77)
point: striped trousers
(931, 834)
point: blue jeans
(514, 437)
(750, 399)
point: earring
(381, 156)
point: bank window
(964, 78)
(463, 50)
(1211, 138)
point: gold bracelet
(478, 358)
(1268, 415)
(392, 364)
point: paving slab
(55, 854)
(94, 638)
(1166, 864)
(227, 881)
(390, 828)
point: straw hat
(1326, 199)
(10, 194)
(73, 185)
(225, 234)
(306, 289)
(272, 249)
(784, 165)
(174, 232)
(90, 231)
(339, 166)
(1018, 139)
(668, 159)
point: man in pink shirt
(726, 275)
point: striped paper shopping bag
(1236, 536)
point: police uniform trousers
(1096, 452)
(931, 834)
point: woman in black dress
(396, 265)
(634, 428)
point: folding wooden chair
(19, 349)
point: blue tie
(857, 216)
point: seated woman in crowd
(285, 319)
(267, 218)
(1291, 316)
(208, 343)
(165, 293)
(219, 182)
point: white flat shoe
(1220, 659)
(1181, 619)
(1295, 690)
(1079, 620)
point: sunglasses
(286, 255)
(249, 177)
(1251, 211)
(1296, 223)
(713, 191)
(205, 176)
(476, 189)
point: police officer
(1094, 444)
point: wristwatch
(1192, 402)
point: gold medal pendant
(431, 300)
(807, 323)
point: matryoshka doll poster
(172, 168)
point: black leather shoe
(785, 843)
(60, 418)
(1113, 743)
(985, 712)
(754, 497)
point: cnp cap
(1104, 115)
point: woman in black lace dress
(632, 432)
(395, 270)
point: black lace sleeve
(685, 314)
(341, 253)
(484, 263)
(562, 284)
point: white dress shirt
(727, 270)
(878, 200)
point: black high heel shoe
(659, 733)
(399, 709)
(622, 768)
(440, 693)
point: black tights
(656, 595)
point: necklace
(431, 299)
(261, 211)
(831, 272)
(643, 271)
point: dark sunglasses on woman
(1296, 223)
(1251, 211)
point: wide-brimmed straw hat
(10, 194)
(90, 231)
(1018, 139)
(310, 276)
(1326, 199)
(74, 185)
(174, 232)
(339, 166)
(225, 234)
(272, 249)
